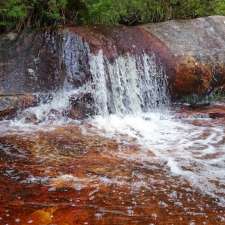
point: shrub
(219, 7)
(126, 12)
(141, 11)
(36, 13)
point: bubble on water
(99, 216)
(68, 181)
(91, 198)
(192, 223)
(221, 218)
(52, 189)
(130, 211)
(154, 215)
(173, 195)
(163, 204)
(17, 220)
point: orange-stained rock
(214, 111)
(41, 217)
(192, 51)
(192, 77)
(197, 49)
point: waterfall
(129, 84)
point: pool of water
(154, 168)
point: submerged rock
(44, 179)
(10, 105)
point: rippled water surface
(148, 169)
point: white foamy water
(52, 112)
(195, 153)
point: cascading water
(129, 85)
(129, 98)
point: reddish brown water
(66, 177)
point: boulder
(191, 51)
(81, 106)
(10, 105)
(30, 62)
(196, 53)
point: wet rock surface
(81, 107)
(10, 105)
(191, 53)
(30, 62)
(197, 49)
(214, 111)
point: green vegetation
(35, 13)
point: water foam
(188, 150)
